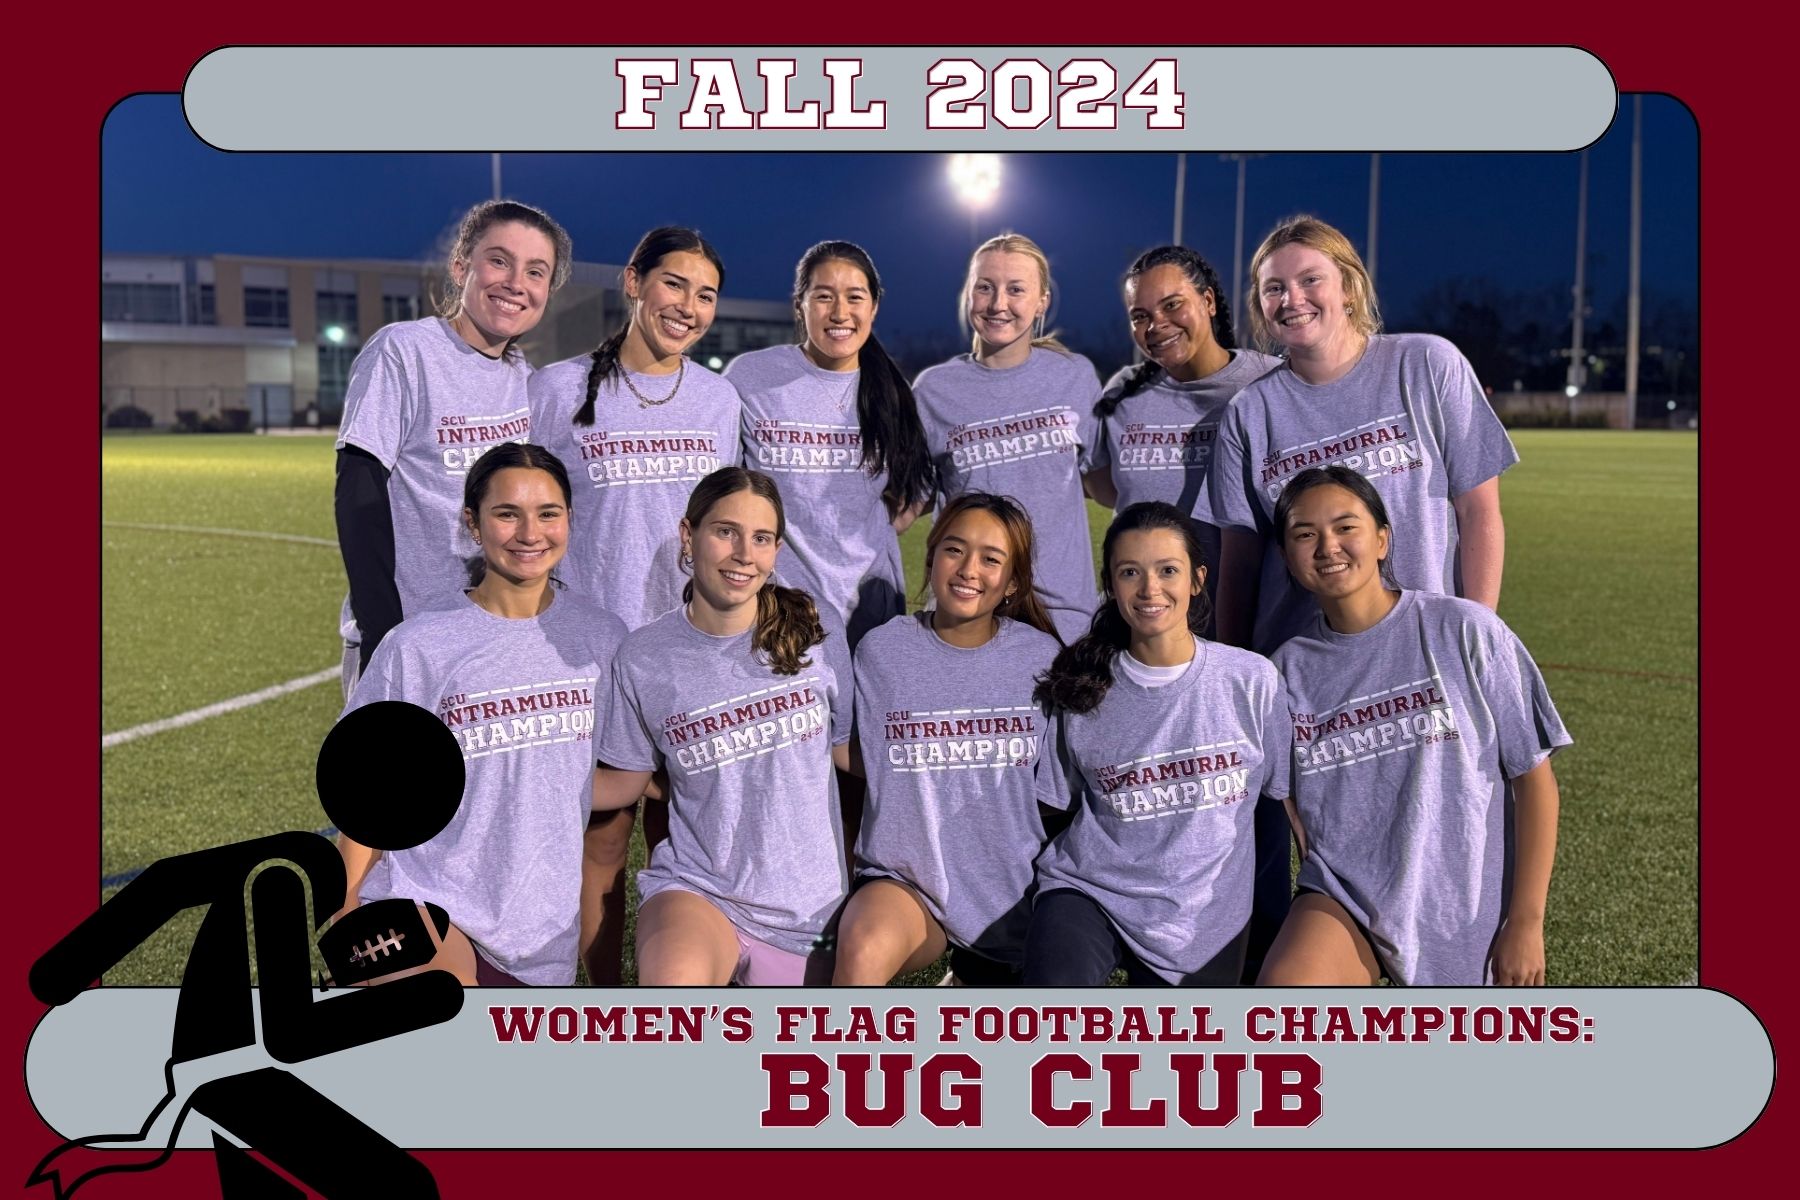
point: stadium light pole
(1374, 210)
(1633, 299)
(1180, 194)
(1237, 253)
(976, 180)
(494, 168)
(1577, 368)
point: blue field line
(125, 877)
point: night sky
(1506, 218)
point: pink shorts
(762, 965)
(758, 963)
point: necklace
(842, 399)
(645, 401)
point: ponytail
(893, 437)
(649, 253)
(1081, 675)
(605, 362)
(1141, 377)
(787, 625)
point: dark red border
(70, 74)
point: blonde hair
(1012, 243)
(1314, 234)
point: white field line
(193, 717)
(119, 738)
(241, 533)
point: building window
(201, 309)
(399, 308)
(266, 307)
(145, 303)
(337, 308)
(334, 378)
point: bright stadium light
(335, 334)
(976, 178)
(715, 362)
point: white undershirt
(1147, 676)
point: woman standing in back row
(833, 422)
(638, 426)
(425, 399)
(1158, 418)
(1404, 410)
(1015, 417)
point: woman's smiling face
(838, 310)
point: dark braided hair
(1082, 674)
(1200, 273)
(652, 248)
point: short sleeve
(377, 681)
(1230, 496)
(379, 403)
(622, 740)
(1527, 726)
(1278, 743)
(836, 652)
(731, 427)
(1087, 425)
(540, 402)
(1100, 455)
(1052, 783)
(1475, 445)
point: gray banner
(1266, 98)
(1677, 1067)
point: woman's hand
(1519, 953)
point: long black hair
(893, 438)
(651, 249)
(1082, 674)
(1200, 273)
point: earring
(1349, 310)
(687, 561)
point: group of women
(627, 582)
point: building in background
(235, 342)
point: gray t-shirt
(1405, 738)
(520, 696)
(1027, 432)
(1410, 415)
(426, 404)
(632, 471)
(754, 824)
(1158, 442)
(800, 428)
(958, 759)
(1164, 841)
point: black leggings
(1072, 943)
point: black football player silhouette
(390, 775)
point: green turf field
(193, 617)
